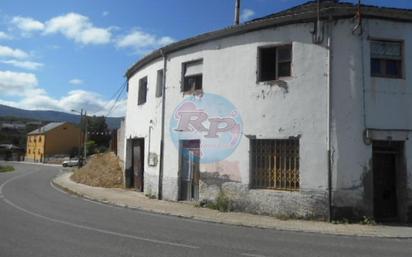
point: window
(386, 59)
(275, 164)
(29, 151)
(192, 76)
(39, 139)
(159, 83)
(142, 91)
(274, 62)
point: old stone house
(312, 107)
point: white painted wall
(388, 104)
(229, 70)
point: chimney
(237, 12)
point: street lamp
(85, 135)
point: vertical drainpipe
(162, 136)
(329, 119)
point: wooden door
(384, 178)
(138, 164)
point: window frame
(402, 59)
(275, 183)
(193, 89)
(140, 100)
(276, 47)
(159, 83)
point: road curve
(36, 219)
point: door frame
(397, 149)
(192, 197)
(138, 142)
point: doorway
(189, 170)
(138, 164)
(387, 171)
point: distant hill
(50, 116)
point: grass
(6, 169)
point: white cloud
(76, 81)
(6, 51)
(27, 24)
(78, 28)
(105, 13)
(32, 97)
(246, 14)
(17, 83)
(141, 41)
(29, 65)
(72, 25)
(4, 35)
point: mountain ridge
(49, 115)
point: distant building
(56, 138)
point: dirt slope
(101, 170)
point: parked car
(70, 163)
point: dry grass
(101, 170)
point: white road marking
(252, 255)
(103, 231)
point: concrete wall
(120, 140)
(387, 105)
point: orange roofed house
(55, 138)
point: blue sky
(64, 55)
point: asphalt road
(36, 219)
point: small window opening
(274, 62)
(142, 91)
(386, 59)
(159, 83)
(192, 80)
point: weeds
(6, 169)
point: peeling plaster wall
(296, 106)
(138, 120)
(388, 105)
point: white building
(325, 102)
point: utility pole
(80, 137)
(85, 137)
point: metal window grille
(275, 164)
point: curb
(338, 229)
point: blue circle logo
(209, 123)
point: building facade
(324, 103)
(55, 138)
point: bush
(222, 203)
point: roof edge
(334, 12)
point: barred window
(386, 59)
(275, 164)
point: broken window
(159, 83)
(192, 80)
(386, 59)
(274, 62)
(274, 164)
(142, 91)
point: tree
(98, 131)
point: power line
(119, 93)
